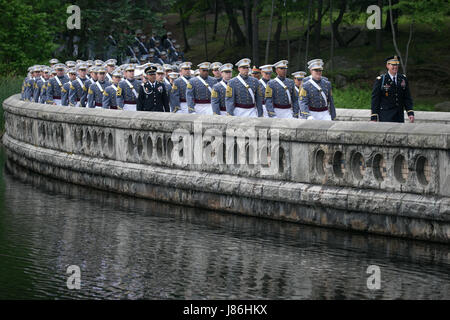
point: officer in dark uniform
(152, 95)
(391, 95)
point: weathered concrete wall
(420, 116)
(376, 177)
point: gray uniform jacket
(277, 97)
(311, 99)
(109, 100)
(95, 95)
(218, 97)
(43, 95)
(38, 89)
(178, 93)
(238, 96)
(197, 92)
(29, 89)
(78, 92)
(53, 88)
(65, 93)
(125, 94)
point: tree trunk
(395, 14)
(278, 33)
(318, 30)
(394, 40)
(183, 27)
(332, 36)
(248, 25)
(204, 36)
(216, 18)
(337, 22)
(299, 49)
(266, 59)
(411, 28)
(240, 38)
(379, 32)
(287, 36)
(255, 36)
(307, 34)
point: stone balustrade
(384, 178)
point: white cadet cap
(81, 66)
(204, 65)
(243, 62)
(299, 74)
(101, 69)
(70, 63)
(196, 72)
(167, 67)
(216, 65)
(111, 62)
(315, 64)
(59, 66)
(226, 67)
(281, 64)
(185, 65)
(54, 61)
(73, 71)
(117, 73)
(159, 70)
(138, 72)
(173, 75)
(266, 68)
(130, 67)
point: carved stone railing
(385, 178)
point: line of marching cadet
(252, 93)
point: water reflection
(131, 248)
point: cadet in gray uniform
(298, 79)
(43, 97)
(178, 101)
(127, 93)
(244, 96)
(219, 90)
(22, 93)
(266, 75)
(215, 68)
(109, 100)
(280, 96)
(79, 88)
(55, 84)
(316, 99)
(198, 93)
(110, 66)
(39, 84)
(172, 76)
(29, 84)
(96, 90)
(66, 87)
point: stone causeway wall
(384, 178)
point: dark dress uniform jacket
(153, 98)
(389, 100)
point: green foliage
(355, 97)
(9, 85)
(430, 12)
(352, 97)
(25, 37)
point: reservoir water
(128, 248)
